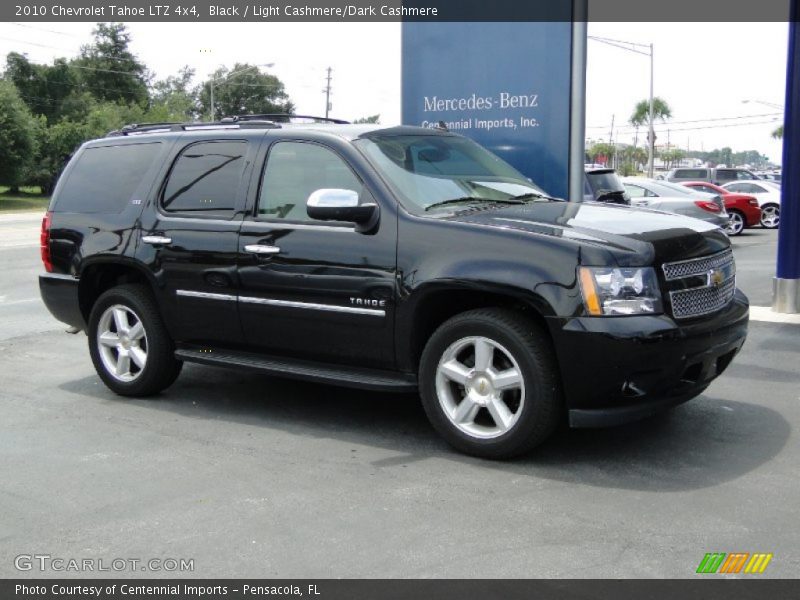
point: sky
(725, 82)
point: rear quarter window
(104, 179)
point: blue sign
(504, 85)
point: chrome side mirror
(330, 204)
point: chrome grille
(701, 301)
(698, 266)
(720, 273)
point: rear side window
(726, 174)
(205, 178)
(104, 178)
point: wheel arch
(102, 274)
(438, 303)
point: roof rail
(143, 128)
(284, 118)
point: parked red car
(743, 209)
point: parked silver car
(670, 197)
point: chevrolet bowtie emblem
(715, 277)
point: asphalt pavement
(252, 476)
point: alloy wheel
(480, 387)
(770, 217)
(122, 342)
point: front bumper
(60, 296)
(619, 369)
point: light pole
(646, 50)
(212, 81)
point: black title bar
(393, 10)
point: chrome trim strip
(277, 224)
(375, 312)
(205, 295)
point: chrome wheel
(122, 342)
(770, 216)
(480, 387)
(735, 224)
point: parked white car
(768, 194)
(674, 198)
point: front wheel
(770, 216)
(489, 383)
(129, 345)
(736, 223)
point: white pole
(652, 141)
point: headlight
(620, 291)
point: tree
(244, 89)
(109, 70)
(371, 119)
(17, 136)
(44, 88)
(641, 113)
(171, 99)
(672, 156)
(778, 133)
(600, 150)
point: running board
(368, 379)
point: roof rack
(283, 118)
(270, 121)
(144, 128)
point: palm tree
(641, 114)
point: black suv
(391, 259)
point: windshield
(604, 180)
(428, 170)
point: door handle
(261, 249)
(156, 239)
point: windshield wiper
(530, 195)
(473, 199)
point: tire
(736, 224)
(450, 376)
(151, 365)
(770, 216)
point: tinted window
(293, 171)
(104, 179)
(726, 174)
(206, 178)
(691, 173)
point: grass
(28, 198)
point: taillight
(44, 242)
(707, 205)
(753, 202)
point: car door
(312, 289)
(190, 238)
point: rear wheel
(736, 223)
(770, 216)
(489, 383)
(129, 345)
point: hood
(635, 236)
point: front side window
(205, 178)
(296, 169)
(432, 171)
